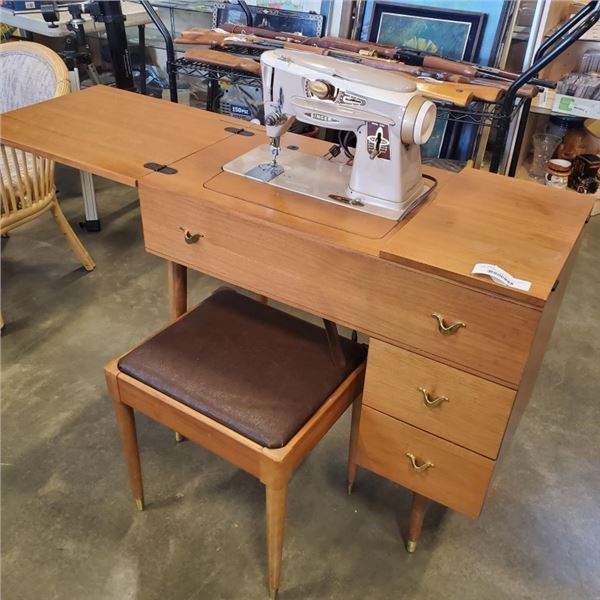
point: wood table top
(111, 132)
(473, 216)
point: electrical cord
(343, 142)
(435, 184)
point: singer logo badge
(378, 141)
(321, 117)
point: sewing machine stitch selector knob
(321, 89)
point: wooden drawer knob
(432, 402)
(447, 329)
(189, 237)
(419, 468)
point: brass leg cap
(273, 594)
(411, 546)
(178, 437)
(350, 486)
(139, 503)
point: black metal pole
(512, 169)
(112, 16)
(169, 47)
(142, 45)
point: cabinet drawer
(379, 298)
(474, 414)
(458, 478)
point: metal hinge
(239, 131)
(158, 168)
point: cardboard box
(576, 107)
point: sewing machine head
(390, 118)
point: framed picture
(449, 33)
(309, 24)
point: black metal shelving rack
(498, 116)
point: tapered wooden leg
(352, 467)
(76, 245)
(126, 424)
(418, 508)
(276, 501)
(177, 276)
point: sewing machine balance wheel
(418, 121)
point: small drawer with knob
(192, 234)
(424, 463)
(447, 402)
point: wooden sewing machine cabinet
(453, 357)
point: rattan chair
(31, 73)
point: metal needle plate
(265, 172)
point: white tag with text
(498, 275)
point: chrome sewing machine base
(318, 178)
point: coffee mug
(557, 173)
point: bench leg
(126, 424)
(418, 508)
(352, 466)
(276, 502)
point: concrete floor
(70, 529)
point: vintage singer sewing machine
(390, 118)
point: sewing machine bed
(205, 168)
(310, 175)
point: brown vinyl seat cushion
(247, 365)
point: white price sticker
(498, 275)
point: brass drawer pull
(417, 468)
(447, 329)
(190, 238)
(432, 402)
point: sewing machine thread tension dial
(320, 89)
